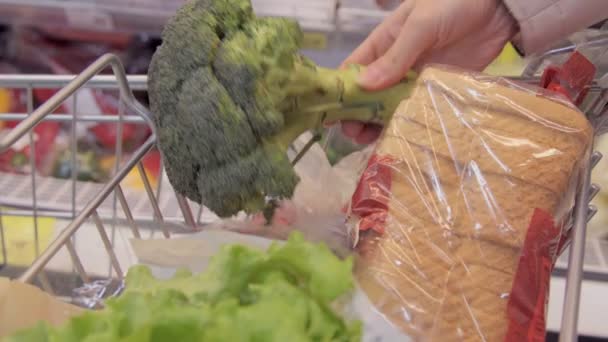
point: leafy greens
(282, 294)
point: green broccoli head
(229, 92)
(253, 65)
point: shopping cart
(109, 205)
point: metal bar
(591, 212)
(136, 82)
(316, 137)
(43, 213)
(33, 156)
(2, 236)
(600, 103)
(65, 234)
(159, 185)
(74, 151)
(56, 100)
(186, 211)
(595, 158)
(77, 262)
(200, 214)
(45, 282)
(118, 154)
(107, 244)
(593, 191)
(125, 207)
(70, 243)
(68, 215)
(569, 326)
(157, 213)
(81, 118)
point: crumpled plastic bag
(317, 208)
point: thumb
(413, 40)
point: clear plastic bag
(318, 206)
(461, 211)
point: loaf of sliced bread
(471, 161)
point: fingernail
(371, 77)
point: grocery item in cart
(23, 306)
(288, 292)
(460, 212)
(229, 93)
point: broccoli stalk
(322, 95)
(230, 92)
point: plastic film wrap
(460, 211)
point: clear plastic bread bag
(461, 212)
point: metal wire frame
(97, 82)
(596, 108)
(69, 85)
(534, 65)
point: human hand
(463, 33)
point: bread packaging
(463, 206)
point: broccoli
(229, 93)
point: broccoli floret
(230, 92)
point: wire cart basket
(115, 212)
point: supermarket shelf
(85, 15)
(359, 19)
(148, 16)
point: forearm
(544, 22)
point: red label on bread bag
(370, 199)
(529, 293)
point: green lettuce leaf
(282, 294)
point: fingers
(416, 36)
(381, 38)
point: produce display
(60, 52)
(286, 293)
(462, 207)
(230, 91)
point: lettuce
(282, 294)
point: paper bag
(23, 306)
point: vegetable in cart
(229, 92)
(283, 294)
